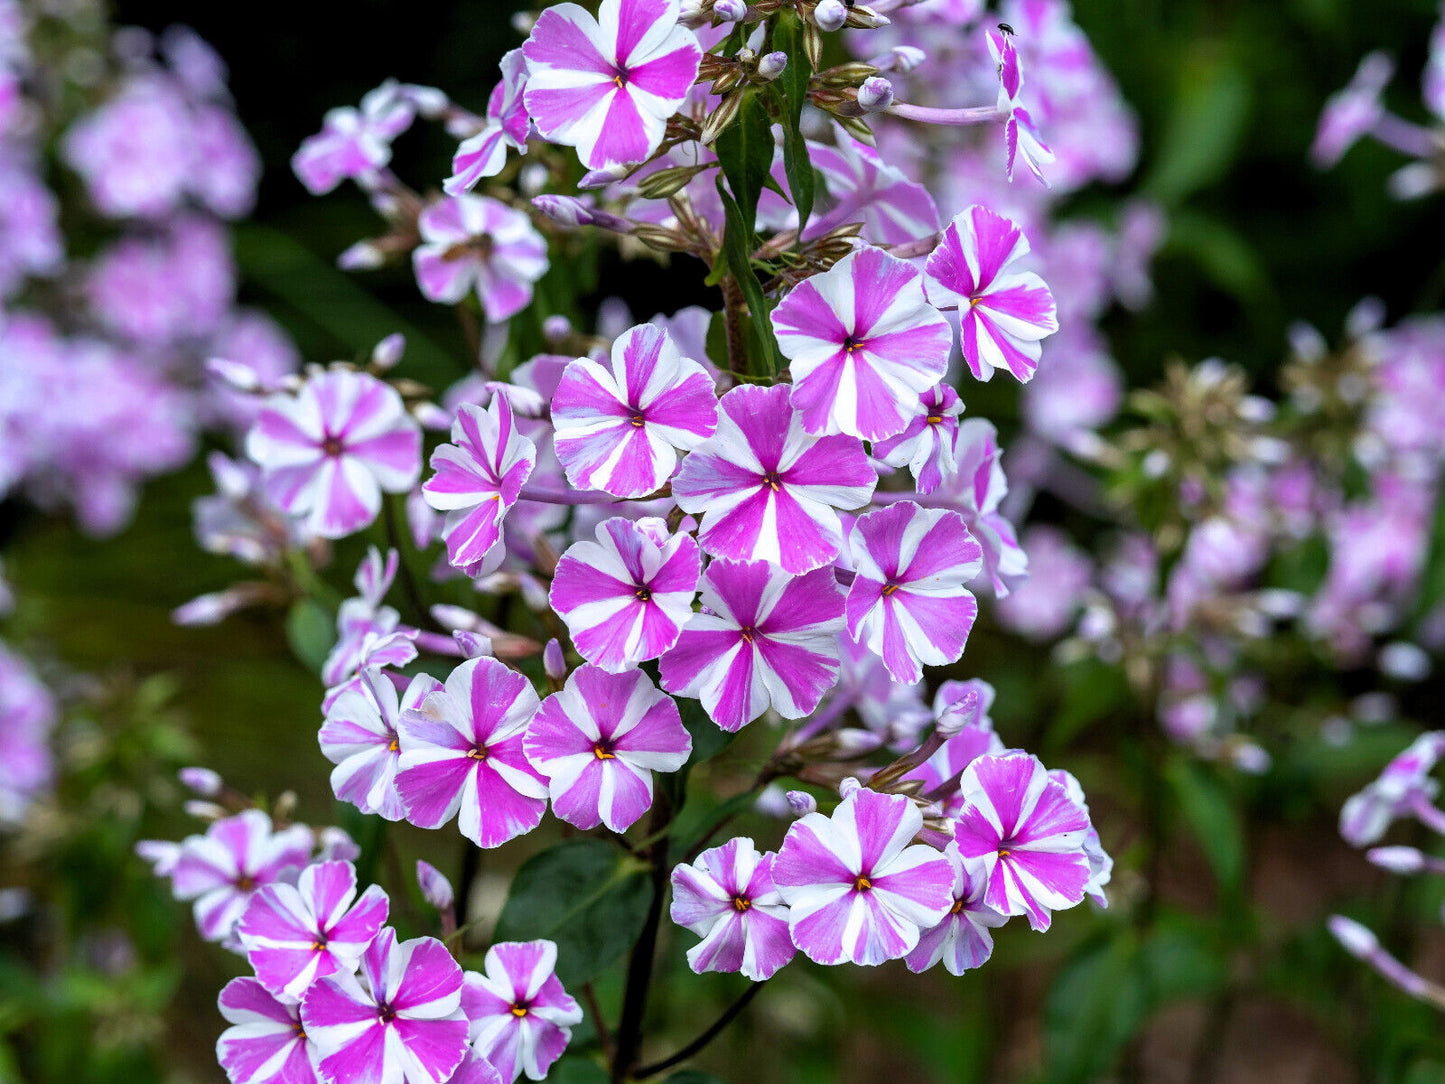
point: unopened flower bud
(388, 352)
(203, 781)
(336, 845)
(875, 95)
(1397, 859)
(855, 742)
(554, 663)
(830, 15)
(235, 374)
(772, 65)
(362, 256)
(601, 178)
(901, 59)
(573, 213)
(532, 179)
(431, 416)
(206, 811)
(523, 21)
(730, 11)
(802, 803)
(435, 888)
(473, 644)
(556, 328)
(848, 786)
(1353, 938)
(1404, 661)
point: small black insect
(1006, 28)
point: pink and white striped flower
(477, 478)
(222, 869)
(975, 492)
(1003, 312)
(475, 242)
(461, 756)
(858, 891)
(607, 85)
(727, 897)
(353, 143)
(266, 1043)
(484, 154)
(1021, 137)
(328, 452)
(927, 446)
(294, 936)
(521, 1017)
(763, 639)
(962, 941)
(620, 426)
(626, 597)
(1022, 833)
(368, 633)
(864, 344)
(768, 490)
(599, 740)
(360, 736)
(892, 208)
(401, 1022)
(908, 602)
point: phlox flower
(328, 452)
(927, 444)
(962, 940)
(1021, 137)
(626, 596)
(1101, 863)
(461, 756)
(521, 1017)
(1003, 312)
(599, 740)
(975, 491)
(763, 639)
(135, 152)
(607, 85)
(767, 489)
(1351, 113)
(727, 897)
(892, 208)
(266, 1043)
(360, 736)
(1404, 786)
(477, 478)
(222, 869)
(1024, 835)
(401, 1022)
(294, 936)
(353, 143)
(620, 426)
(908, 602)
(368, 634)
(476, 242)
(484, 154)
(858, 891)
(864, 344)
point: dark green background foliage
(1225, 973)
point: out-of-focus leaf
(584, 894)
(311, 632)
(693, 1076)
(575, 1070)
(1206, 129)
(1213, 819)
(1096, 1005)
(1229, 261)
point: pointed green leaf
(794, 81)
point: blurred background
(1224, 971)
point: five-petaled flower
(360, 737)
(461, 756)
(599, 740)
(620, 426)
(928, 444)
(475, 241)
(962, 941)
(864, 344)
(858, 891)
(767, 489)
(1003, 312)
(266, 1043)
(329, 451)
(607, 85)
(727, 897)
(507, 124)
(1023, 834)
(521, 1017)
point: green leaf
(692, 1076)
(1206, 131)
(697, 819)
(584, 894)
(311, 632)
(794, 80)
(1212, 817)
(573, 1070)
(745, 151)
(737, 248)
(1096, 1004)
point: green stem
(728, 1016)
(639, 965)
